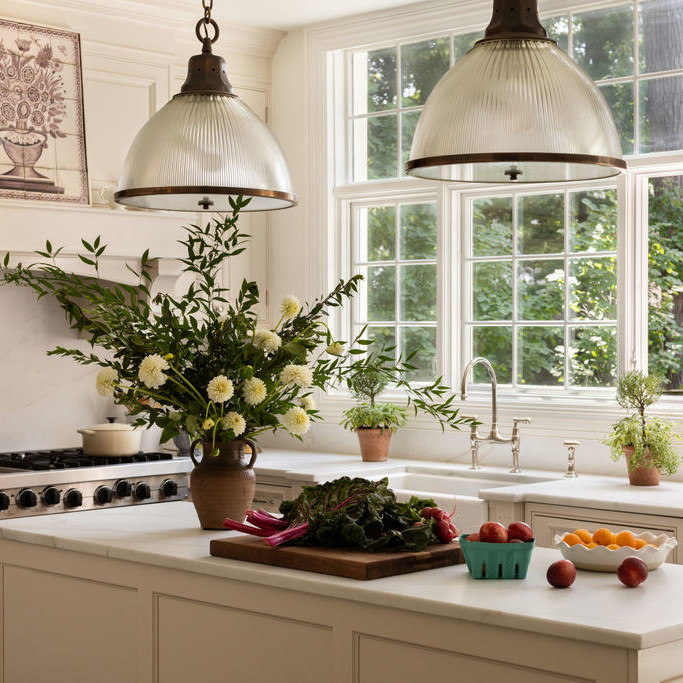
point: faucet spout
(480, 360)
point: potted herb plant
(375, 422)
(647, 443)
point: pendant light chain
(204, 24)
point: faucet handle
(516, 421)
(571, 458)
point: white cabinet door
(63, 629)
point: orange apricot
(639, 543)
(592, 544)
(603, 537)
(626, 538)
(613, 546)
(584, 535)
(571, 539)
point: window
(396, 253)
(543, 284)
(552, 284)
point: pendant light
(515, 109)
(205, 146)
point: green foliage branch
(202, 334)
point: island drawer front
(269, 496)
(548, 520)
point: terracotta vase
(222, 485)
(374, 444)
(640, 476)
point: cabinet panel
(386, 660)
(198, 641)
(83, 628)
(548, 520)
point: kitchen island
(133, 594)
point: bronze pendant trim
(207, 190)
(512, 157)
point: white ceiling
(288, 14)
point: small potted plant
(373, 422)
(647, 443)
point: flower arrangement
(200, 362)
(32, 95)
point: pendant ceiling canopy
(205, 147)
(515, 109)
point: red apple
(632, 572)
(561, 574)
(493, 532)
(521, 531)
(473, 538)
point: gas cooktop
(37, 482)
(65, 458)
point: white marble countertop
(596, 608)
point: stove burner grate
(65, 458)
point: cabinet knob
(4, 501)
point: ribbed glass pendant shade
(515, 110)
(205, 147)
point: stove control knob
(142, 491)
(51, 495)
(104, 495)
(27, 498)
(169, 488)
(4, 501)
(73, 498)
(123, 488)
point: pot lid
(112, 427)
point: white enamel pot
(111, 440)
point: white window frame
(332, 196)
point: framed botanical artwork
(42, 135)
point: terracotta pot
(222, 485)
(640, 476)
(374, 444)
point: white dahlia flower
(296, 421)
(297, 375)
(234, 421)
(335, 349)
(290, 307)
(151, 371)
(220, 389)
(106, 381)
(308, 403)
(267, 340)
(254, 390)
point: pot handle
(251, 445)
(193, 445)
(89, 432)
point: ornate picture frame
(42, 132)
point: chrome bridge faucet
(494, 434)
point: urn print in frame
(42, 135)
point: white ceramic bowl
(602, 559)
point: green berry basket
(497, 560)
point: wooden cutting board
(353, 564)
